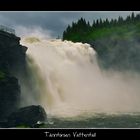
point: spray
(70, 82)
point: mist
(67, 80)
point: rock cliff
(12, 61)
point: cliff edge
(12, 61)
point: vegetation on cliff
(83, 31)
(116, 41)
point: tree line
(81, 28)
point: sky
(52, 23)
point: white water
(71, 83)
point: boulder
(28, 116)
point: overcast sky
(52, 23)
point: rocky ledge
(30, 116)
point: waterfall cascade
(69, 81)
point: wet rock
(9, 95)
(12, 64)
(29, 116)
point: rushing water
(73, 89)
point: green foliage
(116, 41)
(22, 126)
(82, 31)
(78, 31)
(2, 75)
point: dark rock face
(12, 54)
(9, 96)
(29, 116)
(12, 69)
(12, 63)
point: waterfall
(68, 81)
